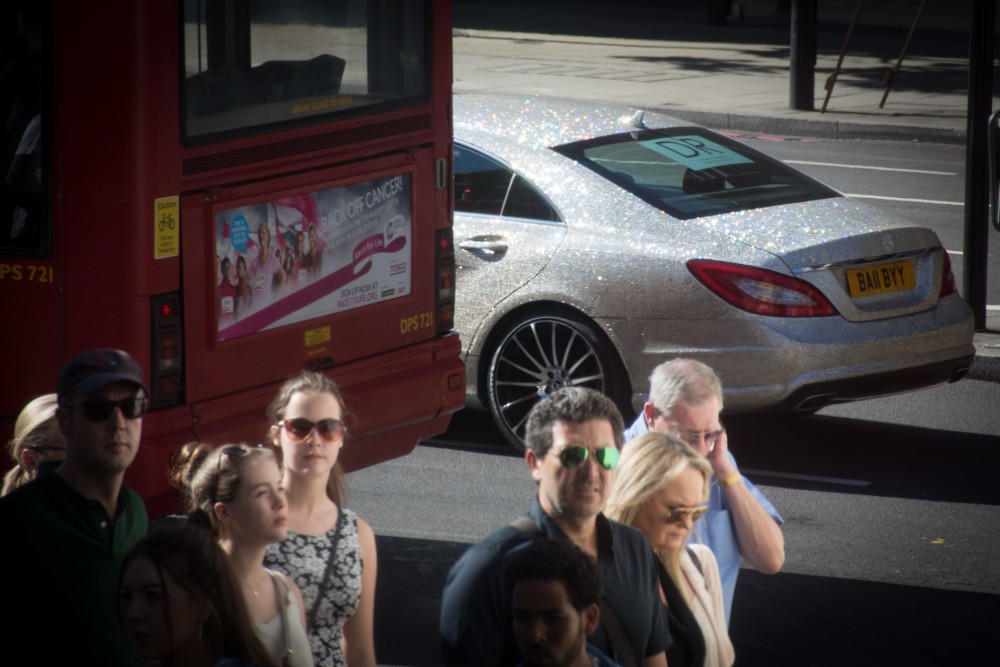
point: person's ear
(534, 464)
(63, 418)
(222, 513)
(649, 414)
(28, 460)
(276, 435)
(591, 618)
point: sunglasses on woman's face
(572, 457)
(299, 428)
(677, 514)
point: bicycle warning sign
(166, 227)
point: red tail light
(947, 278)
(444, 259)
(760, 291)
(166, 384)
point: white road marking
(911, 201)
(864, 166)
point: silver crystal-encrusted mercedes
(594, 242)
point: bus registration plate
(881, 278)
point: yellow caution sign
(317, 336)
(166, 227)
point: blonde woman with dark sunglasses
(37, 439)
(330, 551)
(662, 489)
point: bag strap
(617, 635)
(694, 558)
(281, 588)
(613, 628)
(325, 584)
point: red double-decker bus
(232, 191)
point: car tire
(540, 354)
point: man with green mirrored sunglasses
(573, 441)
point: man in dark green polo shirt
(66, 532)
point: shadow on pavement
(943, 32)
(900, 461)
(790, 619)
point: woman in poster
(266, 269)
(315, 254)
(244, 291)
(227, 294)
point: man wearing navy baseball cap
(68, 530)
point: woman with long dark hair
(181, 604)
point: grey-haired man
(685, 400)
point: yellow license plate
(880, 279)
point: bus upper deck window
(296, 62)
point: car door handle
(480, 244)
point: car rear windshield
(690, 172)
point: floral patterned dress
(304, 558)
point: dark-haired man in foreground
(556, 594)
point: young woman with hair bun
(330, 551)
(237, 490)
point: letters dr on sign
(318, 253)
(695, 152)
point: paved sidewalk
(664, 56)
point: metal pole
(832, 79)
(977, 172)
(890, 74)
(802, 68)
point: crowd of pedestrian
(628, 554)
(661, 509)
(266, 568)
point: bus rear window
(251, 66)
(24, 169)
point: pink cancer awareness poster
(295, 258)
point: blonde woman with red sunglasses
(330, 551)
(662, 489)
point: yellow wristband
(729, 481)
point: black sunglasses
(606, 457)
(99, 409)
(300, 428)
